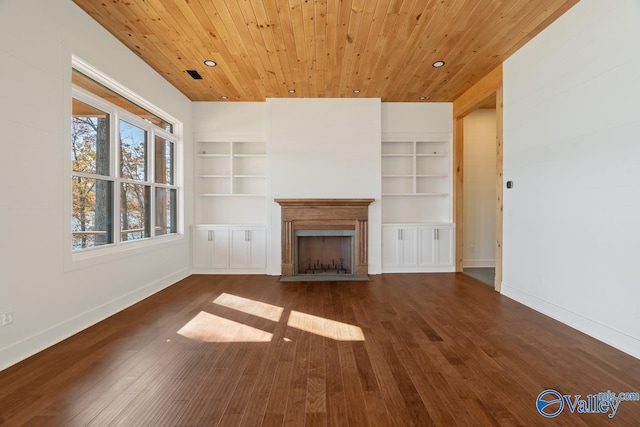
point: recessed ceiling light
(210, 63)
(356, 91)
(437, 64)
(224, 97)
(292, 91)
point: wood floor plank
(242, 350)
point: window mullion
(116, 173)
(151, 153)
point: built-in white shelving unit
(418, 168)
(231, 182)
(416, 180)
(231, 186)
(231, 169)
(417, 233)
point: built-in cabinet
(230, 248)
(417, 247)
(231, 184)
(417, 232)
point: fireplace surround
(322, 220)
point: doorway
(486, 93)
(479, 189)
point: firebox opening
(324, 252)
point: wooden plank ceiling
(324, 48)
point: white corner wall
(417, 120)
(51, 297)
(232, 121)
(571, 126)
(480, 189)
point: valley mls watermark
(550, 403)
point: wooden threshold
(401, 349)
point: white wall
(416, 120)
(233, 121)
(480, 189)
(571, 126)
(50, 296)
(324, 148)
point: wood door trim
(475, 97)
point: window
(123, 167)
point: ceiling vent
(194, 74)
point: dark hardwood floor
(400, 350)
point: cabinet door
(219, 247)
(390, 246)
(409, 246)
(239, 248)
(201, 247)
(257, 248)
(428, 249)
(444, 245)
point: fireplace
(324, 239)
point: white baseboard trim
(29, 346)
(441, 269)
(599, 331)
(228, 271)
(479, 263)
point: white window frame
(120, 248)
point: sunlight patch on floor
(327, 328)
(249, 306)
(207, 327)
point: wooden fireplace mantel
(308, 214)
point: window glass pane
(134, 211)
(92, 212)
(164, 161)
(133, 152)
(165, 211)
(107, 94)
(89, 139)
